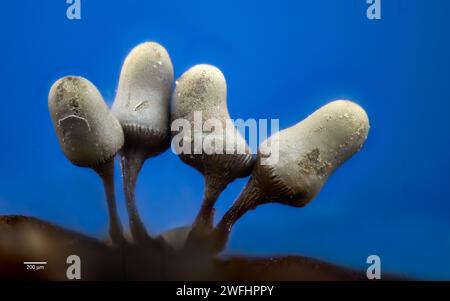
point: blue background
(282, 59)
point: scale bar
(35, 262)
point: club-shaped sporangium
(309, 152)
(205, 137)
(142, 107)
(88, 134)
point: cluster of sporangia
(138, 127)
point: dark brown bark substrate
(29, 239)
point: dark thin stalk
(204, 222)
(106, 173)
(132, 162)
(247, 200)
(205, 217)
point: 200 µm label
(35, 265)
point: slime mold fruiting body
(142, 108)
(202, 89)
(88, 134)
(309, 152)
